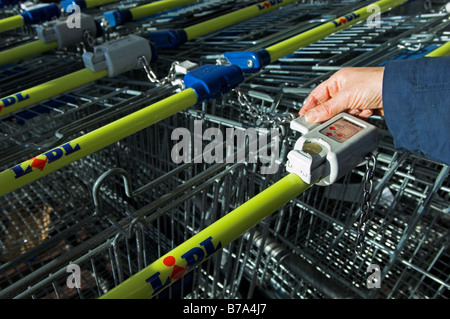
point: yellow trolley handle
(45, 163)
(34, 14)
(120, 17)
(253, 61)
(85, 4)
(11, 23)
(98, 65)
(54, 34)
(171, 39)
(36, 94)
(205, 83)
(443, 50)
(179, 261)
(175, 264)
(29, 49)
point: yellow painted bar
(156, 7)
(293, 44)
(26, 50)
(173, 265)
(443, 50)
(11, 23)
(48, 89)
(226, 20)
(97, 3)
(54, 159)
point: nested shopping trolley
(94, 225)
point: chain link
(371, 162)
(88, 40)
(263, 117)
(151, 74)
(276, 120)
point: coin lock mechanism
(327, 151)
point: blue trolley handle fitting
(212, 81)
(39, 13)
(66, 3)
(168, 39)
(249, 61)
(118, 17)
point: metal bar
(316, 226)
(286, 47)
(11, 23)
(91, 142)
(158, 6)
(443, 50)
(147, 283)
(226, 20)
(98, 3)
(46, 90)
(26, 50)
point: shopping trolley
(150, 198)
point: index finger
(322, 93)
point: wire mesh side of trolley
(409, 242)
(24, 133)
(199, 196)
(422, 277)
(28, 72)
(110, 259)
(103, 98)
(27, 32)
(34, 127)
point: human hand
(357, 91)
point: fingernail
(311, 116)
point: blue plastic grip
(41, 14)
(249, 61)
(154, 53)
(168, 39)
(118, 17)
(411, 54)
(212, 81)
(65, 3)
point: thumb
(326, 110)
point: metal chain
(151, 74)
(265, 118)
(371, 162)
(88, 40)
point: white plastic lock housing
(326, 152)
(58, 30)
(118, 56)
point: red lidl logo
(343, 20)
(268, 4)
(175, 269)
(39, 162)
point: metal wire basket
(109, 215)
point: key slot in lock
(327, 151)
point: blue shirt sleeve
(416, 106)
